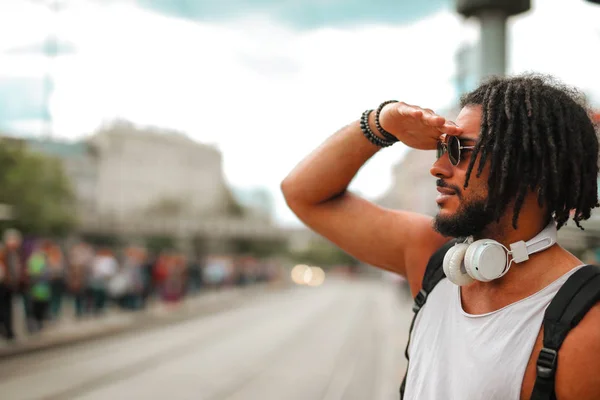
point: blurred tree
(233, 208)
(102, 240)
(259, 248)
(156, 244)
(37, 189)
(324, 254)
(170, 207)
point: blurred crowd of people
(41, 276)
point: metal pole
(492, 43)
(51, 51)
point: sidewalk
(70, 331)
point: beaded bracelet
(383, 132)
(366, 130)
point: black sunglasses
(453, 146)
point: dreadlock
(538, 136)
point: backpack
(568, 307)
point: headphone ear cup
(471, 261)
(485, 260)
(454, 265)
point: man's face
(462, 211)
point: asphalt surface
(343, 340)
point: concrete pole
(492, 51)
(6, 212)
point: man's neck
(504, 233)
(521, 281)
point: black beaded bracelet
(366, 130)
(383, 132)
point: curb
(146, 320)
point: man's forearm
(328, 170)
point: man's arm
(578, 369)
(316, 190)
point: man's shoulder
(440, 248)
(578, 370)
(426, 243)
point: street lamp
(51, 48)
(492, 15)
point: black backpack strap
(434, 273)
(573, 300)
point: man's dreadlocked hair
(537, 135)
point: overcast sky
(265, 81)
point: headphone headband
(521, 250)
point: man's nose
(442, 168)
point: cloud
(561, 38)
(267, 93)
(300, 14)
(22, 23)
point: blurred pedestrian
(104, 268)
(11, 278)
(57, 267)
(81, 256)
(39, 278)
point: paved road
(343, 340)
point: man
(80, 260)
(527, 153)
(11, 277)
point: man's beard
(471, 219)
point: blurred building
(150, 171)
(413, 188)
(466, 76)
(123, 172)
(137, 182)
(258, 203)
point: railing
(215, 228)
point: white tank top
(459, 356)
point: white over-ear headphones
(486, 259)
